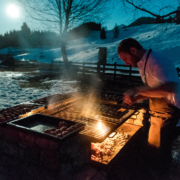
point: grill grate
(91, 129)
(104, 112)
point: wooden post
(98, 68)
(13, 64)
(103, 69)
(114, 70)
(83, 68)
(178, 70)
(51, 63)
(130, 71)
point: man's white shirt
(159, 70)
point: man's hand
(129, 97)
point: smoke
(90, 106)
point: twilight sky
(12, 18)
(6, 20)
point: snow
(164, 38)
(12, 93)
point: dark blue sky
(118, 16)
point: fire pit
(103, 127)
(106, 151)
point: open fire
(101, 126)
(105, 151)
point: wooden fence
(115, 70)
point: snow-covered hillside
(164, 38)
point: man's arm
(159, 91)
(144, 92)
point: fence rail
(114, 70)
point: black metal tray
(38, 123)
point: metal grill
(91, 130)
(68, 110)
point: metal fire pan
(38, 123)
(124, 152)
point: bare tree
(62, 15)
(157, 8)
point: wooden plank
(125, 75)
(91, 63)
(83, 68)
(84, 63)
(118, 65)
(116, 68)
(130, 71)
(120, 70)
(90, 67)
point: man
(161, 87)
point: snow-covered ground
(12, 93)
(164, 38)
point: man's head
(130, 51)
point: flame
(99, 125)
(102, 128)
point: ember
(104, 152)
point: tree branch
(145, 10)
